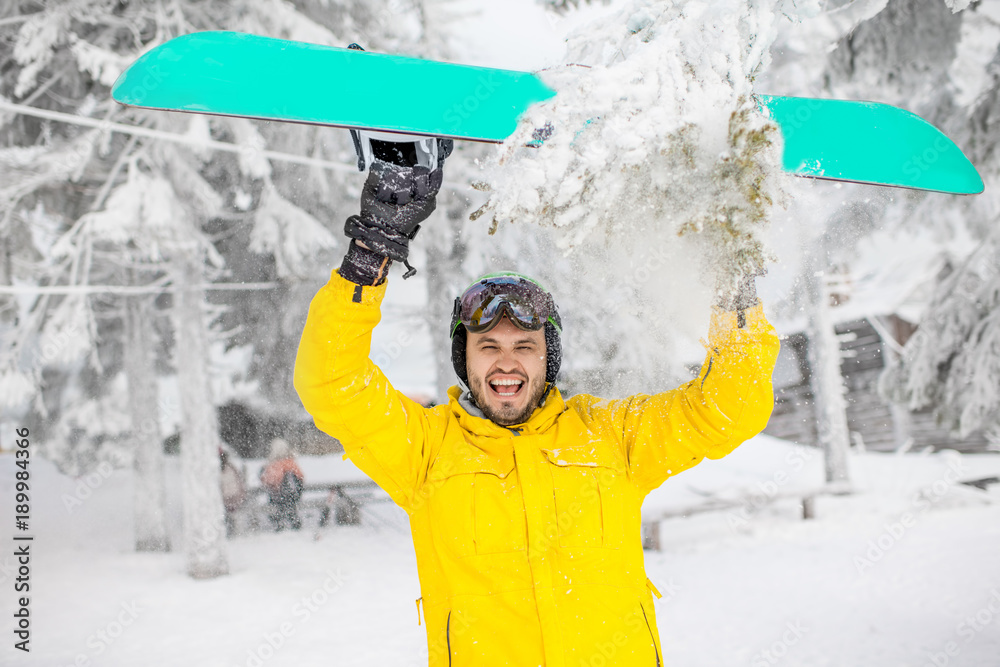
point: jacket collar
(471, 418)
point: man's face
(506, 368)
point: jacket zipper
(648, 627)
(447, 636)
(709, 369)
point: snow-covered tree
(91, 213)
(655, 184)
(952, 361)
(150, 494)
(941, 62)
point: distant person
(234, 489)
(283, 479)
(345, 511)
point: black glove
(396, 198)
(394, 201)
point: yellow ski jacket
(528, 538)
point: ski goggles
(524, 302)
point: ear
(459, 355)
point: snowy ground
(899, 573)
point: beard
(506, 414)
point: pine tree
(139, 363)
(917, 55)
(942, 63)
(653, 189)
(93, 214)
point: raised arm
(383, 432)
(730, 400)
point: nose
(507, 363)
(506, 366)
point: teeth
(505, 382)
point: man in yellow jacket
(524, 506)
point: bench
(752, 502)
(341, 500)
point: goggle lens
(526, 304)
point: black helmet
(522, 300)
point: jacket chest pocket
(476, 507)
(588, 489)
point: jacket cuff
(363, 266)
(726, 323)
(344, 290)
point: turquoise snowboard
(236, 74)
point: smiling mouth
(506, 388)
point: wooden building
(874, 423)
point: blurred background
(153, 287)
